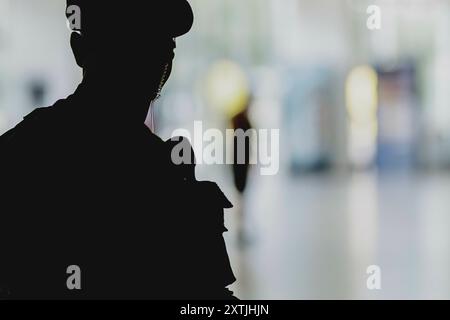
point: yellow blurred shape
(362, 95)
(362, 105)
(227, 87)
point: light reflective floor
(313, 236)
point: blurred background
(364, 119)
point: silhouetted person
(84, 182)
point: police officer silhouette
(84, 182)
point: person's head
(128, 45)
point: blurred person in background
(241, 163)
(87, 184)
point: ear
(77, 44)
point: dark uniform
(76, 190)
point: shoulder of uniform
(184, 166)
(212, 191)
(32, 125)
(6, 138)
(45, 114)
(38, 118)
(36, 114)
(17, 131)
